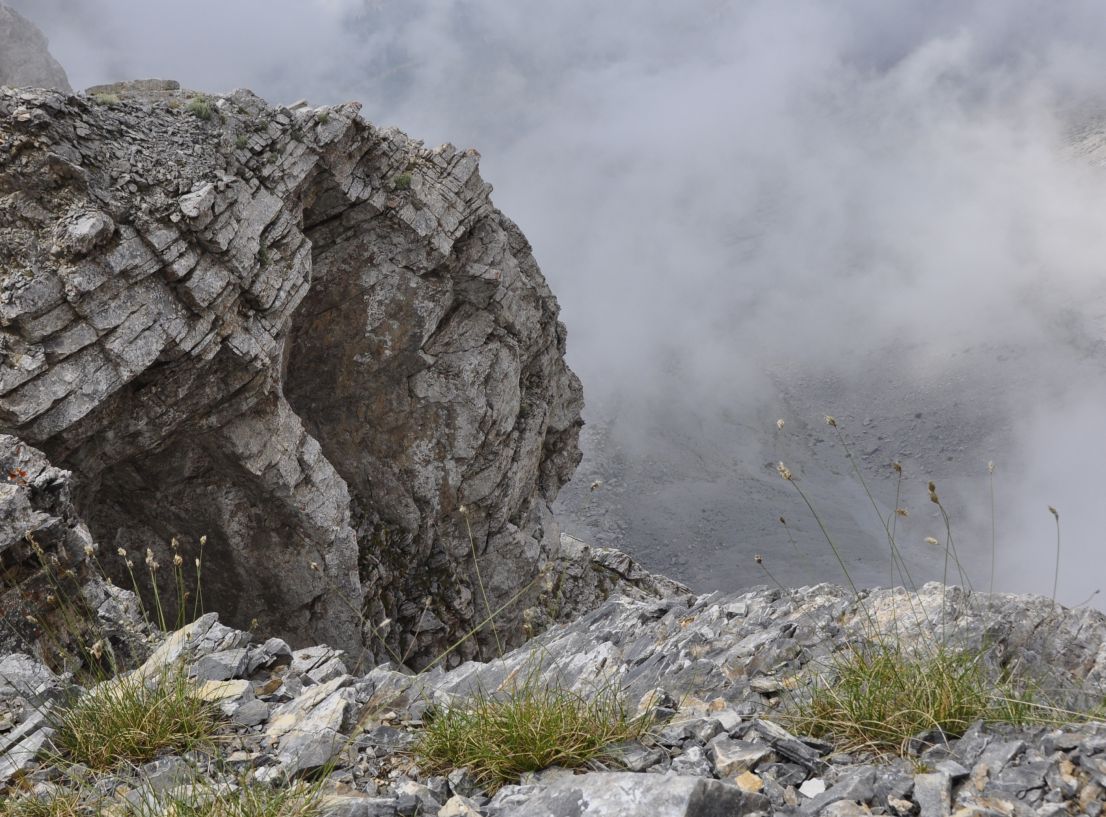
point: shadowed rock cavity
(308, 339)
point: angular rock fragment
(600, 794)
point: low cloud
(731, 196)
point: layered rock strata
(54, 600)
(315, 342)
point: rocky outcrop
(315, 342)
(718, 674)
(24, 56)
(53, 599)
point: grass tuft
(878, 697)
(250, 800)
(402, 181)
(129, 720)
(532, 727)
(107, 100)
(58, 803)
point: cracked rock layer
(308, 339)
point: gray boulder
(25, 58)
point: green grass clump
(877, 698)
(402, 181)
(129, 720)
(200, 107)
(250, 800)
(108, 100)
(59, 803)
(532, 727)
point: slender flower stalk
(1056, 573)
(480, 580)
(991, 479)
(760, 562)
(790, 538)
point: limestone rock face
(309, 339)
(24, 55)
(53, 600)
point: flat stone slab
(625, 794)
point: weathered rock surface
(309, 339)
(607, 794)
(25, 59)
(721, 744)
(52, 598)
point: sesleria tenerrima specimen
(1056, 573)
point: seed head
(50, 598)
(177, 560)
(1054, 512)
(779, 424)
(174, 544)
(595, 486)
(831, 421)
(197, 564)
(315, 566)
(903, 512)
(121, 552)
(784, 471)
(758, 559)
(991, 467)
(89, 551)
(97, 649)
(931, 541)
(130, 565)
(463, 510)
(203, 540)
(151, 562)
(783, 521)
(897, 466)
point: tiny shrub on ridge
(200, 107)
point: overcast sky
(715, 188)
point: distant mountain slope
(25, 59)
